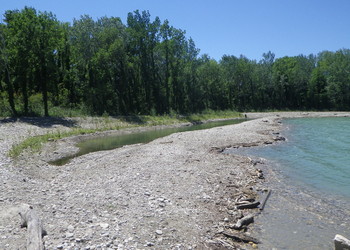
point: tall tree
(264, 83)
(335, 68)
(5, 68)
(144, 36)
(21, 27)
(32, 40)
(48, 37)
(291, 78)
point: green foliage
(5, 109)
(35, 104)
(149, 67)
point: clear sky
(232, 27)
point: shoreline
(173, 192)
(298, 215)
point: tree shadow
(43, 122)
(136, 119)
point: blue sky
(232, 27)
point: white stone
(69, 235)
(341, 243)
(70, 228)
(104, 225)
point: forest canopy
(147, 66)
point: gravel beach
(177, 192)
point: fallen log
(248, 205)
(240, 237)
(246, 220)
(245, 201)
(35, 230)
(263, 202)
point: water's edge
(108, 142)
(295, 216)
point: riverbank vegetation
(100, 124)
(148, 67)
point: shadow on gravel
(43, 122)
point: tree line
(147, 66)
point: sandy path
(173, 193)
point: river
(309, 175)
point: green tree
(21, 29)
(83, 46)
(317, 90)
(264, 82)
(5, 69)
(143, 38)
(32, 45)
(291, 76)
(335, 68)
(214, 91)
(48, 36)
(109, 66)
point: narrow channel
(117, 141)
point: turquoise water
(309, 175)
(316, 154)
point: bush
(5, 109)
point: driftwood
(224, 244)
(246, 220)
(240, 237)
(245, 201)
(248, 205)
(35, 230)
(263, 202)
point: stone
(341, 243)
(159, 232)
(105, 234)
(149, 244)
(69, 235)
(104, 225)
(70, 229)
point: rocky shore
(177, 192)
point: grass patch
(35, 143)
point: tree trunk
(25, 96)
(44, 90)
(10, 92)
(43, 79)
